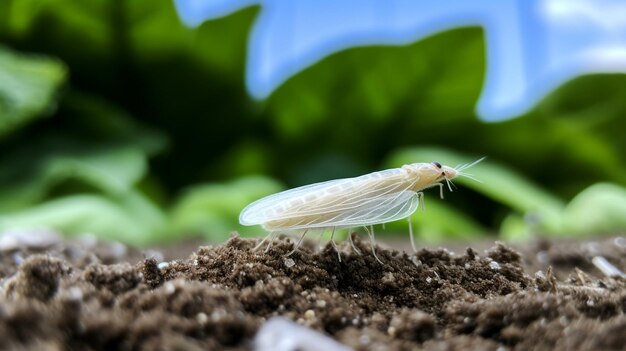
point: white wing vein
(389, 208)
(317, 199)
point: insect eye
(437, 164)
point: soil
(83, 295)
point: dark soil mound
(69, 296)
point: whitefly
(375, 198)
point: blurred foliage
(150, 134)
(28, 88)
(213, 209)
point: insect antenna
(468, 165)
(460, 169)
(470, 176)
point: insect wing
(388, 209)
(257, 212)
(322, 199)
(383, 209)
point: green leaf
(382, 87)
(93, 119)
(600, 208)
(16, 16)
(28, 88)
(438, 222)
(213, 210)
(129, 217)
(28, 176)
(495, 181)
(516, 228)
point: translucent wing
(383, 209)
(327, 197)
(261, 210)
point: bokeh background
(116, 119)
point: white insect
(374, 198)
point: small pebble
(75, 293)
(279, 334)
(202, 318)
(38, 239)
(17, 258)
(289, 262)
(606, 267)
(309, 315)
(543, 257)
(540, 274)
(620, 241)
(117, 249)
(169, 288)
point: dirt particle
(289, 262)
(414, 325)
(309, 315)
(219, 296)
(202, 318)
(388, 278)
(169, 288)
(117, 278)
(151, 272)
(38, 278)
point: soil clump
(545, 296)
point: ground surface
(83, 295)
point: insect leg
(319, 241)
(372, 243)
(269, 245)
(411, 235)
(332, 241)
(352, 242)
(420, 199)
(263, 241)
(440, 185)
(297, 244)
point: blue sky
(532, 46)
